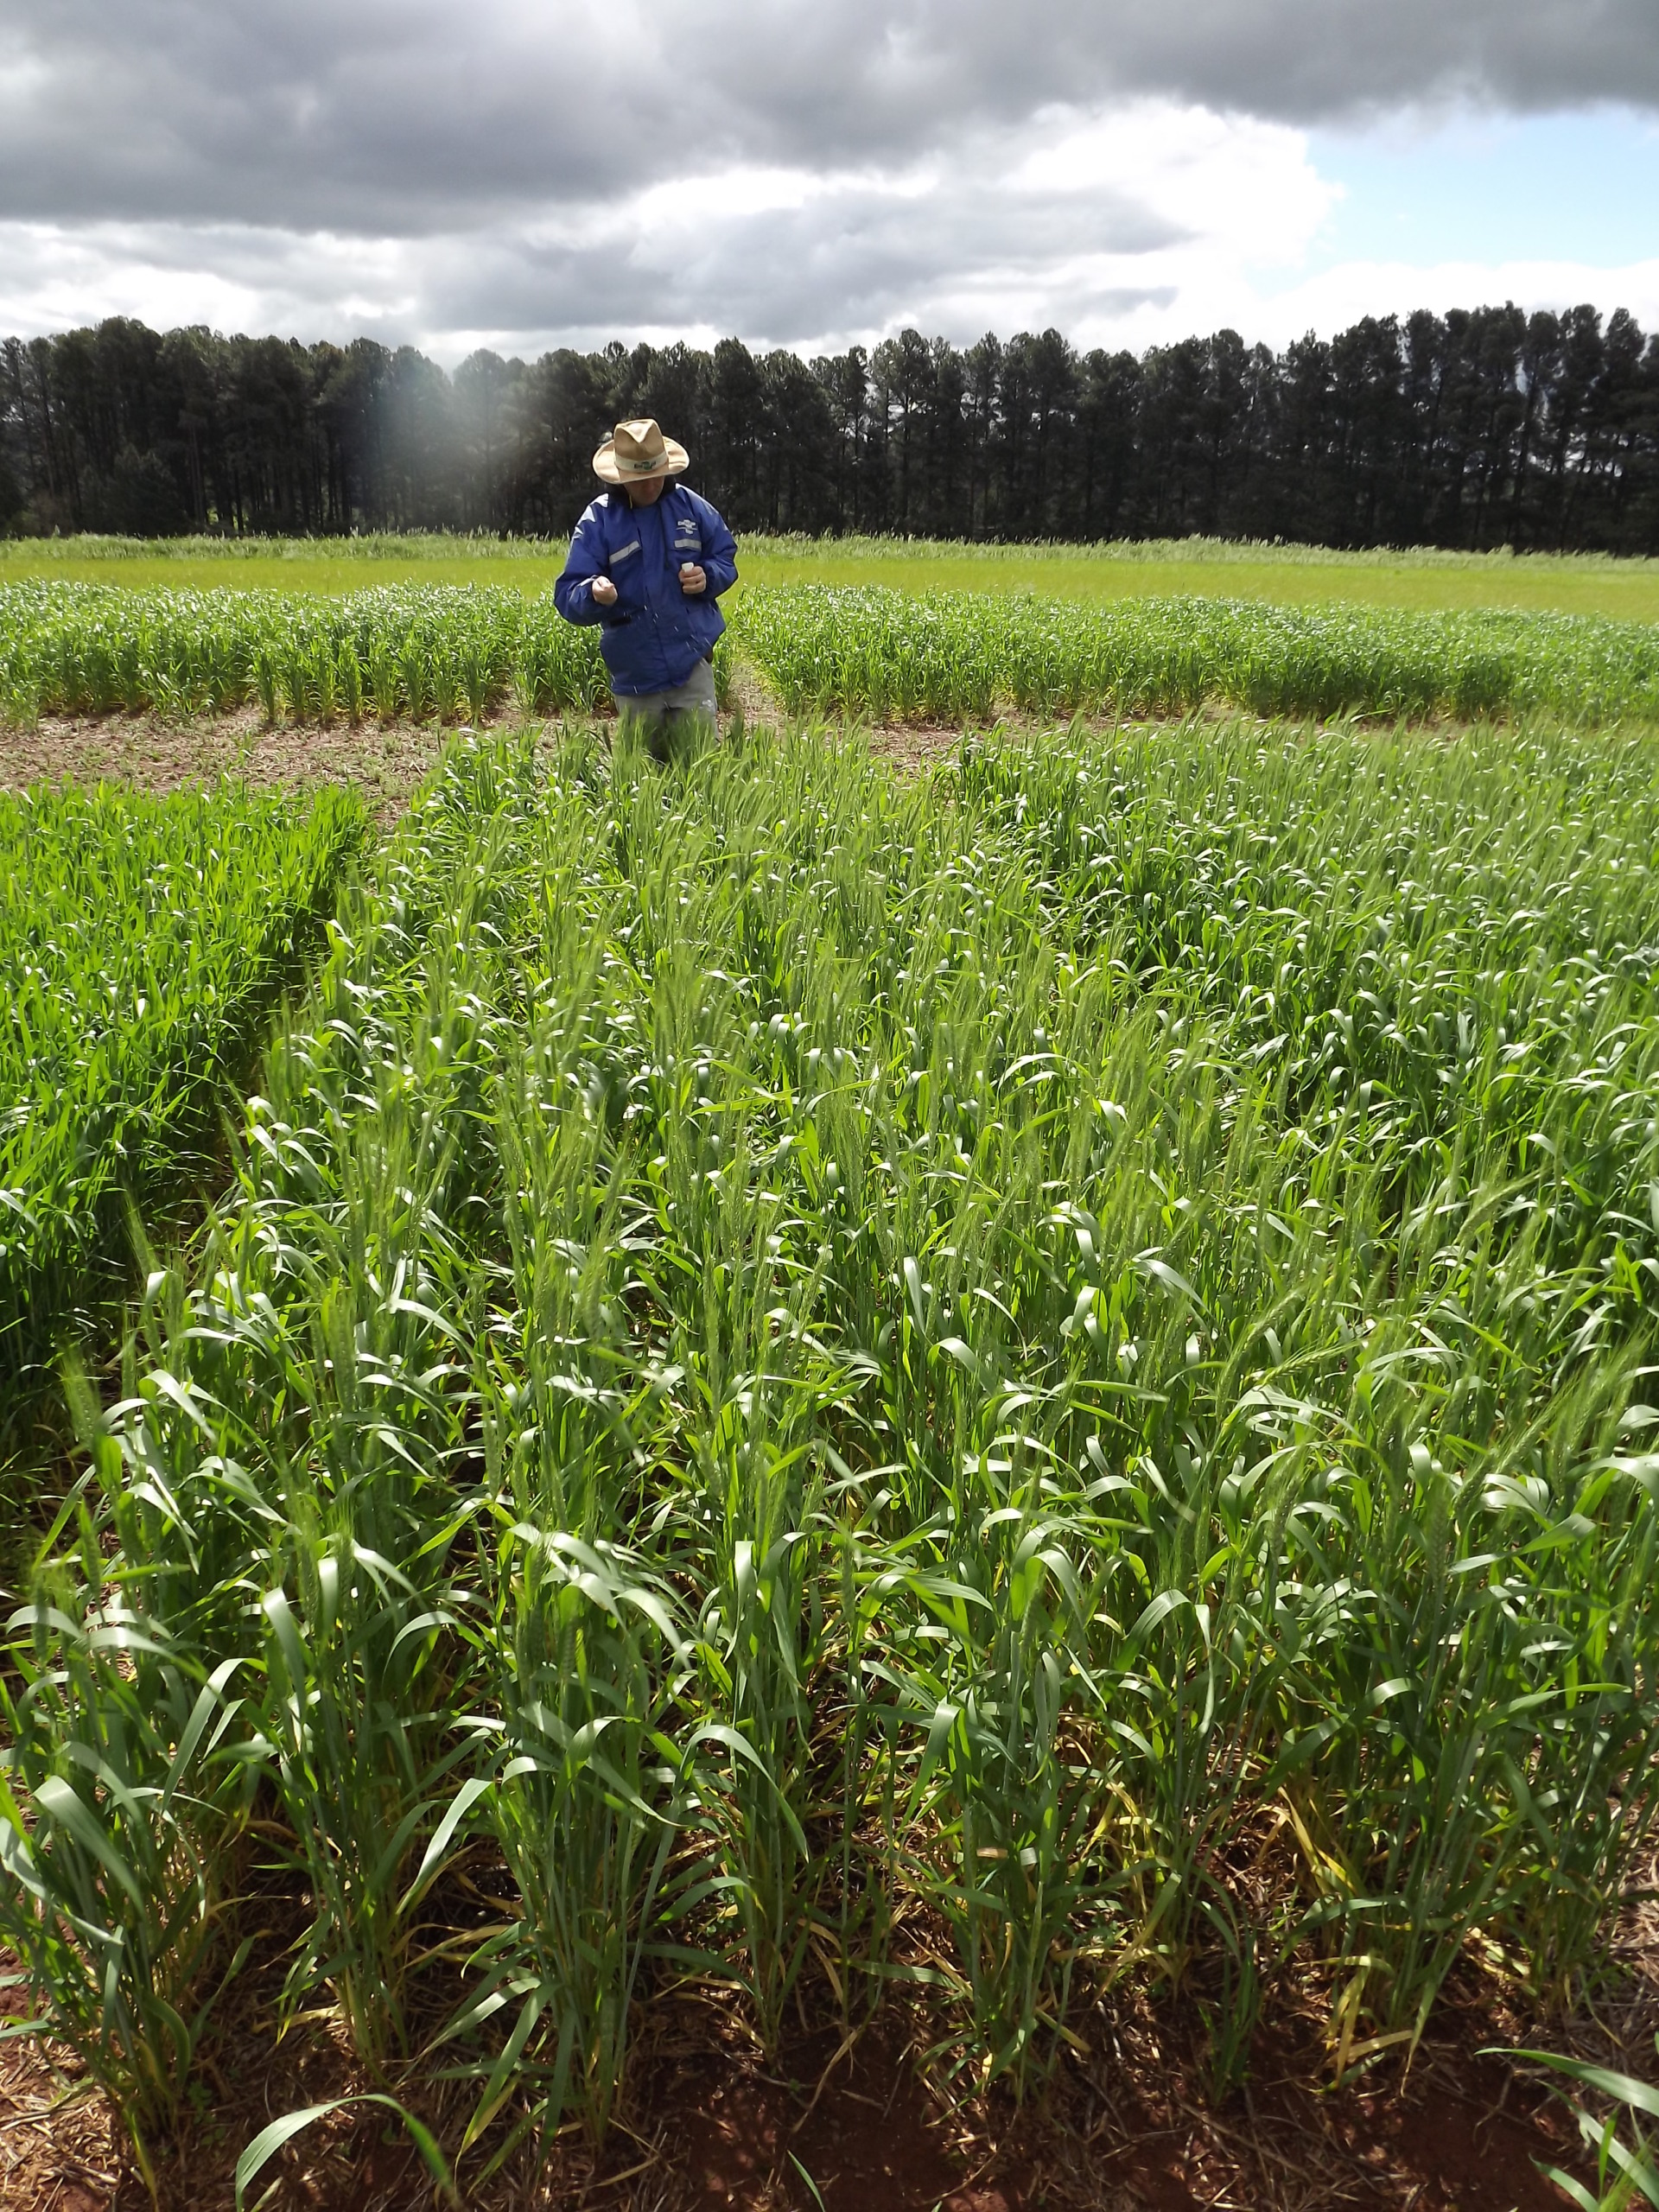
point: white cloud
(1092, 221)
(1338, 297)
(421, 117)
(1233, 180)
(58, 276)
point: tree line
(1473, 429)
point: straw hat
(639, 449)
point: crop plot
(788, 1362)
(962, 657)
(427, 653)
(141, 940)
(446, 654)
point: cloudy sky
(522, 173)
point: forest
(1473, 430)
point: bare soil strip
(866, 2125)
(387, 761)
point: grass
(1296, 575)
(1008, 1395)
(141, 941)
(1200, 568)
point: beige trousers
(662, 716)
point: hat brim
(675, 458)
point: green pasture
(1294, 576)
(1199, 568)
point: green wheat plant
(1007, 1385)
(415, 649)
(586, 1808)
(118, 1817)
(957, 657)
(142, 941)
(1626, 2158)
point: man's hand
(692, 580)
(604, 592)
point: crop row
(960, 657)
(781, 1350)
(141, 939)
(428, 652)
(461, 652)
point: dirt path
(1127, 2125)
(161, 756)
(387, 761)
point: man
(648, 562)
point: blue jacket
(654, 636)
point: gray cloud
(860, 254)
(520, 172)
(876, 257)
(401, 117)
